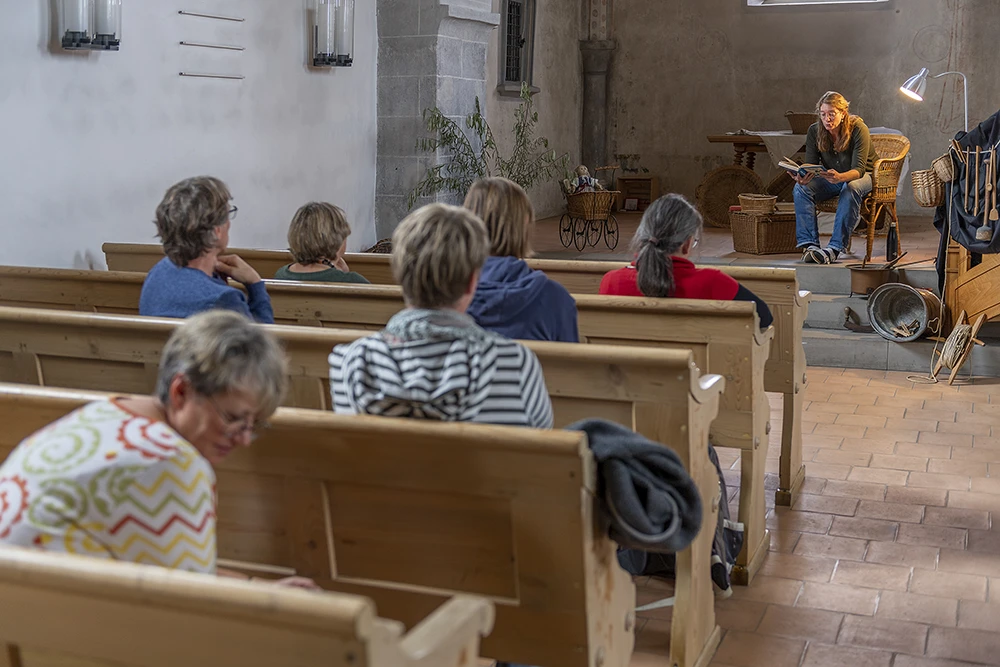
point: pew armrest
(450, 636)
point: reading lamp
(916, 84)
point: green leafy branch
(531, 161)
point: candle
(75, 15)
(108, 17)
(345, 27)
(325, 28)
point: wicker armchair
(891, 149)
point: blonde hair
(824, 140)
(219, 350)
(188, 215)
(435, 252)
(507, 213)
(317, 231)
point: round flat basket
(901, 313)
(722, 188)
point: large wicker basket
(591, 205)
(928, 189)
(759, 234)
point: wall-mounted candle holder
(90, 24)
(333, 33)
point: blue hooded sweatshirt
(518, 302)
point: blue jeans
(848, 209)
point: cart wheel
(611, 232)
(580, 233)
(595, 229)
(566, 230)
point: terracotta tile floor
(889, 557)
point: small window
(517, 45)
(768, 3)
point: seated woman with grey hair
(193, 222)
(131, 478)
(317, 238)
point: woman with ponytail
(841, 143)
(668, 232)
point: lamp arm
(965, 91)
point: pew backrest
(410, 513)
(58, 607)
(708, 328)
(778, 287)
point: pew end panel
(61, 609)
(786, 370)
(694, 633)
(725, 335)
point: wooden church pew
(658, 392)
(410, 512)
(58, 608)
(785, 371)
(723, 336)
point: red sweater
(689, 282)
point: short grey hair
(219, 350)
(188, 215)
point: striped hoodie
(439, 364)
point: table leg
(738, 155)
(751, 158)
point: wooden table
(748, 144)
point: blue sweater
(517, 302)
(178, 291)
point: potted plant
(531, 161)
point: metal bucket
(895, 305)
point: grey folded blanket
(653, 503)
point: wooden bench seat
(785, 371)
(723, 336)
(57, 607)
(410, 513)
(657, 392)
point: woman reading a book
(841, 145)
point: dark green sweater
(327, 276)
(860, 153)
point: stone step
(847, 349)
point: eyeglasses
(232, 213)
(235, 426)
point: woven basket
(721, 188)
(800, 121)
(753, 203)
(944, 168)
(928, 189)
(759, 234)
(591, 205)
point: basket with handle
(928, 189)
(754, 203)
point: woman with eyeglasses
(666, 236)
(193, 222)
(131, 478)
(842, 144)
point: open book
(800, 169)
